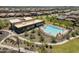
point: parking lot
(3, 34)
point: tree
(38, 32)
(32, 36)
(46, 45)
(43, 49)
(41, 39)
(26, 34)
(33, 31)
(47, 18)
(50, 47)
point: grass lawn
(53, 20)
(3, 24)
(69, 47)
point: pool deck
(64, 33)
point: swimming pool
(52, 30)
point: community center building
(25, 24)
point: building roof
(15, 20)
(39, 13)
(75, 12)
(72, 16)
(22, 24)
(28, 18)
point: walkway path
(59, 43)
(38, 43)
(16, 49)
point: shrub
(26, 34)
(42, 49)
(32, 36)
(73, 34)
(3, 23)
(77, 32)
(46, 46)
(53, 39)
(67, 37)
(33, 31)
(39, 34)
(50, 47)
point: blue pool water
(52, 30)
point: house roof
(3, 14)
(11, 14)
(17, 14)
(72, 16)
(26, 14)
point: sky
(39, 2)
